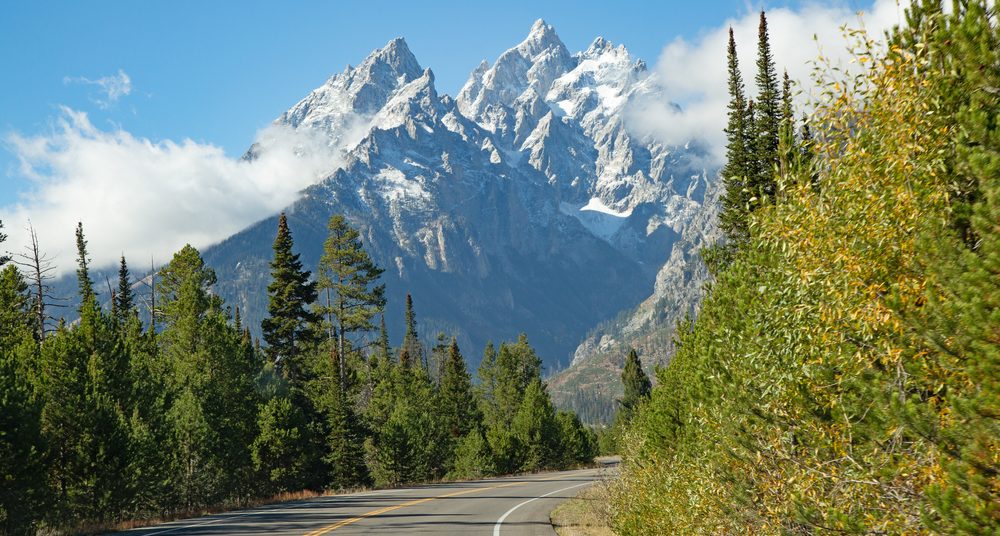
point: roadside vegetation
(843, 374)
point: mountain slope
(523, 204)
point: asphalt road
(507, 506)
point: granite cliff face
(523, 204)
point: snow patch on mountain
(598, 218)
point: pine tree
(408, 443)
(287, 328)
(124, 305)
(636, 383)
(96, 390)
(84, 283)
(345, 441)
(457, 403)
(347, 281)
(279, 450)
(472, 457)
(411, 340)
(535, 426)
(576, 445)
(517, 366)
(963, 303)
(738, 169)
(212, 415)
(507, 377)
(24, 491)
(767, 117)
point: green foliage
(841, 377)
(279, 451)
(767, 117)
(287, 329)
(123, 301)
(106, 420)
(636, 383)
(761, 146)
(349, 295)
(22, 471)
(577, 445)
(740, 164)
(536, 428)
(411, 339)
(472, 457)
(456, 402)
(211, 374)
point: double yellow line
(344, 523)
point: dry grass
(100, 528)
(584, 515)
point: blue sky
(131, 115)
(216, 72)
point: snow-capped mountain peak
(598, 47)
(531, 65)
(541, 38)
(357, 91)
(523, 203)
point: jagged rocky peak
(418, 101)
(531, 65)
(363, 90)
(540, 40)
(598, 47)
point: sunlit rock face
(525, 203)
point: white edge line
(496, 528)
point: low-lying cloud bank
(148, 198)
(694, 73)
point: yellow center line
(344, 523)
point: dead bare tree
(151, 300)
(38, 270)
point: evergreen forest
(117, 416)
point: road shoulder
(583, 515)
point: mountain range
(523, 204)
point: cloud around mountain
(147, 198)
(127, 190)
(693, 73)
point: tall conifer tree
(347, 281)
(124, 299)
(767, 120)
(738, 169)
(457, 404)
(411, 340)
(287, 328)
(636, 384)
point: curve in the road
(335, 526)
(496, 528)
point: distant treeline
(110, 418)
(843, 374)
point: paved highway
(502, 506)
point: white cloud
(145, 198)
(694, 73)
(112, 87)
